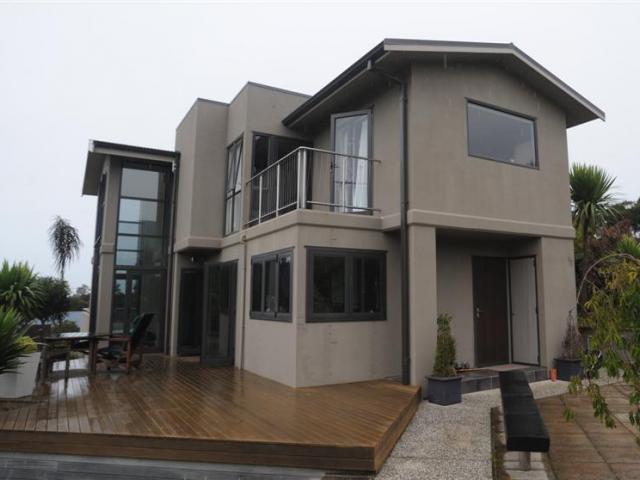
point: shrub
(445, 349)
(12, 345)
(65, 326)
(19, 289)
(55, 301)
(28, 344)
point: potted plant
(19, 356)
(444, 387)
(570, 364)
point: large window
(233, 188)
(271, 286)
(351, 173)
(346, 285)
(501, 136)
(141, 218)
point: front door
(490, 296)
(218, 328)
(525, 340)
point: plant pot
(568, 367)
(22, 382)
(444, 390)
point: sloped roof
(392, 53)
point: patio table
(69, 338)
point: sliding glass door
(218, 329)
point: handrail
(319, 150)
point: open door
(525, 339)
(190, 312)
(218, 327)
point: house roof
(99, 150)
(391, 54)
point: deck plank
(181, 410)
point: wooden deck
(180, 410)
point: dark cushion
(526, 432)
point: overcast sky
(128, 73)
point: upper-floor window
(345, 285)
(271, 286)
(142, 216)
(268, 149)
(498, 135)
(351, 174)
(233, 188)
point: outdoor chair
(122, 348)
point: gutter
(404, 238)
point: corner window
(271, 286)
(497, 135)
(233, 188)
(346, 285)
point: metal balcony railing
(312, 178)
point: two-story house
(315, 239)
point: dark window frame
(163, 203)
(234, 196)
(262, 259)
(355, 113)
(349, 255)
(513, 113)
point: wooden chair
(122, 347)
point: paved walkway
(585, 449)
(452, 442)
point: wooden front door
(490, 310)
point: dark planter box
(568, 368)
(444, 390)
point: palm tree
(593, 201)
(65, 243)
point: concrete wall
(338, 352)
(113, 171)
(443, 178)
(201, 141)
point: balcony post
(303, 177)
(277, 189)
(260, 199)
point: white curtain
(351, 175)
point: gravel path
(452, 442)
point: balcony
(311, 178)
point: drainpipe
(172, 241)
(404, 238)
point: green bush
(28, 344)
(12, 345)
(445, 349)
(65, 326)
(19, 289)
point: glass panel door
(135, 292)
(524, 311)
(218, 329)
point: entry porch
(182, 410)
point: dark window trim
(348, 254)
(355, 113)
(262, 258)
(232, 197)
(534, 120)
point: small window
(233, 188)
(271, 286)
(346, 285)
(501, 136)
